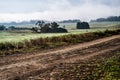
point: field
(19, 36)
(93, 25)
(61, 56)
(73, 25)
(59, 39)
(98, 59)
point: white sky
(85, 10)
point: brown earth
(27, 66)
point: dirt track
(24, 66)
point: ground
(47, 64)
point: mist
(85, 10)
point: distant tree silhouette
(55, 28)
(18, 28)
(83, 25)
(111, 18)
(60, 30)
(70, 21)
(48, 28)
(11, 28)
(54, 25)
(2, 27)
(34, 29)
(40, 23)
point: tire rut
(23, 57)
(35, 64)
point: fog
(85, 10)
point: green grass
(93, 25)
(20, 36)
(85, 31)
(104, 24)
(7, 48)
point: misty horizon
(85, 10)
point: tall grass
(50, 42)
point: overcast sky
(85, 10)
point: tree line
(111, 18)
(70, 21)
(3, 28)
(43, 27)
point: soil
(28, 66)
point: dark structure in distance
(82, 25)
(2, 27)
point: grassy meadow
(29, 45)
(19, 36)
(93, 25)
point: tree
(40, 23)
(2, 27)
(11, 28)
(55, 28)
(45, 28)
(61, 30)
(48, 28)
(83, 25)
(34, 29)
(54, 25)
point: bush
(2, 27)
(48, 28)
(83, 25)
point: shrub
(83, 25)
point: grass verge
(52, 42)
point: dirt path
(26, 65)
